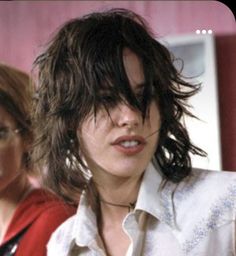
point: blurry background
(25, 26)
(195, 58)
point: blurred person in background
(28, 214)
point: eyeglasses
(6, 134)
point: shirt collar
(85, 223)
(155, 196)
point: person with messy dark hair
(109, 119)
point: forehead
(134, 68)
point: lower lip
(129, 151)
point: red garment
(42, 212)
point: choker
(130, 206)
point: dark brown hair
(85, 57)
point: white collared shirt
(195, 217)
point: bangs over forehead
(85, 67)
(100, 56)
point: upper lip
(120, 139)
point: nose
(127, 116)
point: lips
(129, 145)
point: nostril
(129, 121)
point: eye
(139, 97)
(108, 100)
(139, 93)
(4, 132)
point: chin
(127, 172)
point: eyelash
(3, 132)
(109, 101)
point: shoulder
(42, 206)
(205, 202)
(206, 195)
(207, 185)
(196, 172)
(217, 181)
(51, 210)
(202, 177)
(47, 212)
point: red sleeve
(35, 240)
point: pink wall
(26, 25)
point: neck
(121, 192)
(10, 197)
(129, 206)
(116, 198)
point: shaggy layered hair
(84, 59)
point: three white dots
(204, 31)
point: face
(11, 150)
(121, 144)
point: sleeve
(34, 242)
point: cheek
(154, 116)
(92, 132)
(10, 160)
(87, 137)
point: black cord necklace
(130, 206)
